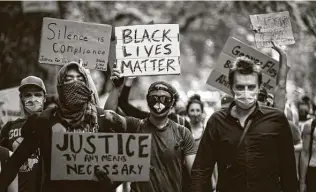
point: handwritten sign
(123, 156)
(39, 6)
(148, 49)
(235, 48)
(272, 26)
(63, 41)
(219, 80)
(10, 107)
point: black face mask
(159, 104)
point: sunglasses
(159, 99)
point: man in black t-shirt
(172, 144)
(32, 96)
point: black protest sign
(122, 156)
(143, 50)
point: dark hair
(196, 98)
(245, 66)
(170, 89)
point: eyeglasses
(159, 99)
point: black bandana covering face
(159, 104)
(74, 95)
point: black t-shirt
(169, 146)
(11, 138)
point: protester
(171, 143)
(4, 156)
(130, 110)
(261, 159)
(32, 96)
(308, 158)
(263, 96)
(76, 112)
(195, 110)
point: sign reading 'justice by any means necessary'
(63, 41)
(122, 156)
(148, 49)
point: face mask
(74, 95)
(159, 104)
(245, 99)
(33, 105)
(195, 118)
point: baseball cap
(32, 80)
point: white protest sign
(148, 49)
(39, 6)
(63, 41)
(219, 80)
(235, 48)
(10, 107)
(272, 26)
(122, 156)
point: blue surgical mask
(245, 99)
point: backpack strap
(313, 124)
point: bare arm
(14, 186)
(280, 90)
(112, 100)
(189, 160)
(305, 154)
(115, 120)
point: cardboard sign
(122, 156)
(10, 107)
(235, 48)
(219, 80)
(143, 50)
(63, 41)
(39, 6)
(273, 26)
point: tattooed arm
(115, 121)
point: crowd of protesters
(256, 142)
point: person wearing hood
(76, 111)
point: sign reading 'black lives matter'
(63, 41)
(122, 156)
(148, 49)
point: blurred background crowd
(204, 28)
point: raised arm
(305, 154)
(280, 90)
(112, 100)
(128, 108)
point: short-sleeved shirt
(11, 138)
(169, 146)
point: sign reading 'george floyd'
(272, 27)
(233, 49)
(148, 49)
(122, 156)
(63, 41)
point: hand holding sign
(116, 77)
